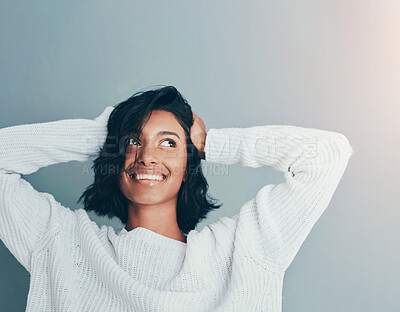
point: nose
(147, 155)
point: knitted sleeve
(26, 214)
(272, 226)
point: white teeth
(147, 176)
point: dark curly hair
(104, 196)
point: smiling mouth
(148, 180)
(154, 177)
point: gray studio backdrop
(332, 65)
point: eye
(133, 141)
(172, 142)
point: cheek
(124, 184)
(129, 159)
(178, 165)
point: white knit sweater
(234, 264)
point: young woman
(148, 174)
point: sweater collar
(143, 232)
(149, 257)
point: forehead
(162, 121)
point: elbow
(346, 149)
(344, 152)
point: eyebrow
(161, 133)
(168, 133)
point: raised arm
(272, 226)
(26, 214)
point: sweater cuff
(222, 145)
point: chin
(145, 202)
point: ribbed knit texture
(234, 264)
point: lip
(151, 172)
(149, 182)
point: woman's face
(160, 154)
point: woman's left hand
(198, 134)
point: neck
(159, 218)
